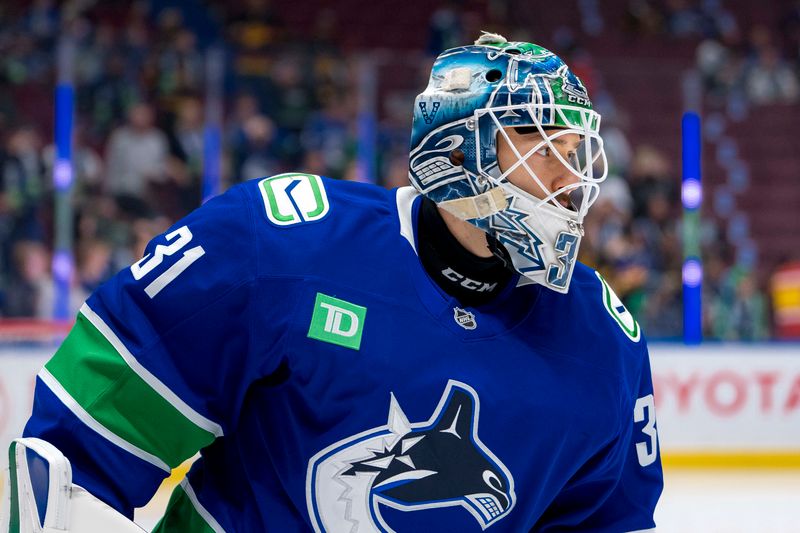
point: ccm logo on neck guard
(471, 284)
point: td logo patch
(294, 198)
(337, 321)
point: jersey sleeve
(618, 489)
(158, 361)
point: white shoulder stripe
(53, 384)
(405, 200)
(202, 511)
(164, 391)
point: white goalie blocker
(43, 498)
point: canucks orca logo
(424, 465)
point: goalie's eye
(525, 130)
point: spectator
(789, 23)
(329, 131)
(186, 139)
(181, 65)
(99, 219)
(650, 173)
(397, 175)
(684, 19)
(741, 314)
(24, 182)
(256, 157)
(136, 155)
(785, 293)
(136, 42)
(144, 229)
(94, 265)
(42, 21)
(87, 166)
(253, 29)
(23, 61)
(292, 104)
(662, 317)
(655, 227)
(615, 140)
(94, 52)
(644, 17)
(111, 97)
(245, 105)
(715, 268)
(711, 59)
(30, 289)
(770, 80)
(446, 27)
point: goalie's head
(505, 137)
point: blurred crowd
(139, 126)
(634, 238)
(636, 231)
(291, 104)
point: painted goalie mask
(474, 93)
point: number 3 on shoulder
(646, 452)
(177, 239)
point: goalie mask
(474, 94)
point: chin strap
(480, 206)
(499, 251)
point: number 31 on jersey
(645, 411)
(178, 240)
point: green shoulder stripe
(100, 381)
(184, 513)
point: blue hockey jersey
(288, 331)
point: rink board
(717, 405)
(728, 405)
